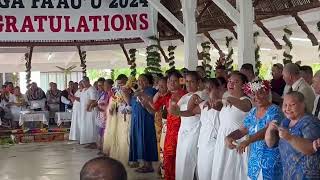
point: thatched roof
(211, 17)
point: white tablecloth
(40, 116)
(61, 117)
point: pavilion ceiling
(211, 17)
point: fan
(66, 71)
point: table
(37, 116)
(62, 117)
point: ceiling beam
(305, 29)
(268, 33)
(168, 15)
(289, 11)
(229, 10)
(214, 43)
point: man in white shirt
(294, 82)
(316, 86)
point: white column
(3, 78)
(245, 33)
(190, 38)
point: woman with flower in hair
(263, 163)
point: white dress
(227, 163)
(88, 129)
(187, 150)
(16, 110)
(75, 121)
(210, 123)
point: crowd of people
(233, 126)
(13, 102)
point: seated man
(36, 97)
(103, 168)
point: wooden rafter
(269, 34)
(305, 29)
(209, 4)
(233, 31)
(125, 52)
(166, 59)
(214, 43)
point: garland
(112, 74)
(171, 56)
(133, 64)
(83, 57)
(28, 68)
(153, 58)
(288, 46)
(257, 53)
(318, 25)
(229, 61)
(206, 57)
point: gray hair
(298, 95)
(85, 78)
(292, 69)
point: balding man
(294, 82)
(316, 86)
(103, 168)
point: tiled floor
(49, 161)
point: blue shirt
(262, 158)
(296, 164)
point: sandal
(133, 164)
(144, 170)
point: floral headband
(252, 87)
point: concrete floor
(49, 161)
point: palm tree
(66, 71)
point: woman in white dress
(209, 119)
(186, 158)
(17, 103)
(227, 163)
(76, 115)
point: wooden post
(245, 33)
(190, 38)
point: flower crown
(252, 87)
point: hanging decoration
(318, 25)
(133, 65)
(28, 57)
(83, 60)
(206, 63)
(153, 58)
(288, 46)
(171, 56)
(112, 74)
(257, 52)
(228, 60)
